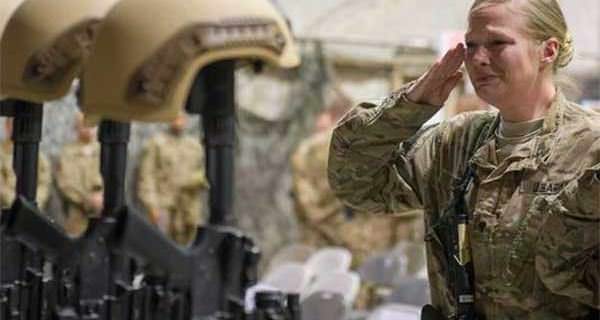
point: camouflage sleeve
(146, 183)
(68, 183)
(373, 166)
(44, 180)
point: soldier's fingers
(452, 61)
(459, 58)
(450, 54)
(422, 84)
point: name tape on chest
(542, 187)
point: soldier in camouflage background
(7, 174)
(78, 178)
(170, 180)
(324, 221)
(534, 201)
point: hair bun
(566, 51)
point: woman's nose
(479, 55)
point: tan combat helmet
(148, 52)
(7, 8)
(44, 44)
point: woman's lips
(484, 80)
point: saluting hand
(435, 85)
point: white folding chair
(346, 284)
(329, 260)
(290, 277)
(292, 253)
(381, 269)
(414, 257)
(324, 306)
(405, 260)
(396, 312)
(411, 291)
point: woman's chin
(490, 95)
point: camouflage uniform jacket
(77, 178)
(170, 178)
(9, 180)
(535, 217)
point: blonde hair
(545, 20)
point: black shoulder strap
(460, 189)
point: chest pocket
(567, 257)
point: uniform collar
(529, 155)
(554, 117)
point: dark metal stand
(114, 137)
(213, 96)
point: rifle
(452, 230)
(27, 225)
(167, 267)
(275, 305)
(225, 264)
(217, 256)
(208, 279)
(21, 269)
(93, 281)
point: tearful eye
(498, 43)
(471, 48)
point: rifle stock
(25, 223)
(138, 238)
(430, 313)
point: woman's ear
(549, 53)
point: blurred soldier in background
(7, 175)
(170, 180)
(78, 178)
(323, 219)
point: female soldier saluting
(529, 174)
